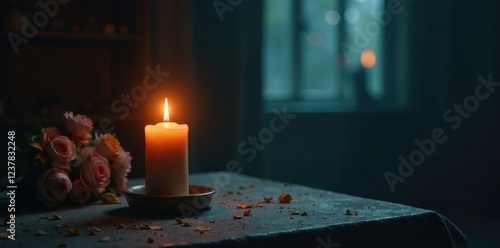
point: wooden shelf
(32, 121)
(59, 68)
(67, 36)
(80, 38)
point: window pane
(319, 42)
(365, 33)
(316, 66)
(277, 50)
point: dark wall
(226, 81)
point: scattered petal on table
(73, 232)
(244, 205)
(155, 228)
(104, 239)
(285, 198)
(202, 228)
(351, 212)
(56, 216)
(93, 222)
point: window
(323, 53)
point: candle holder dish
(199, 199)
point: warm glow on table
(167, 157)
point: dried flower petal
(104, 239)
(268, 199)
(179, 220)
(73, 232)
(93, 222)
(155, 228)
(202, 228)
(230, 192)
(96, 229)
(295, 212)
(258, 204)
(56, 217)
(351, 212)
(182, 222)
(244, 205)
(247, 212)
(285, 198)
(237, 216)
(242, 187)
(119, 226)
(41, 233)
(109, 198)
(143, 226)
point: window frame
(395, 93)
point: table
(314, 218)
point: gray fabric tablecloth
(325, 224)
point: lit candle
(167, 157)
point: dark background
(215, 87)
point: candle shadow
(130, 213)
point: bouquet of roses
(71, 163)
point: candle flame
(165, 112)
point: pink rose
(46, 136)
(53, 186)
(120, 183)
(122, 165)
(61, 150)
(119, 170)
(108, 146)
(80, 193)
(95, 172)
(79, 126)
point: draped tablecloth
(314, 218)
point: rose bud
(79, 126)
